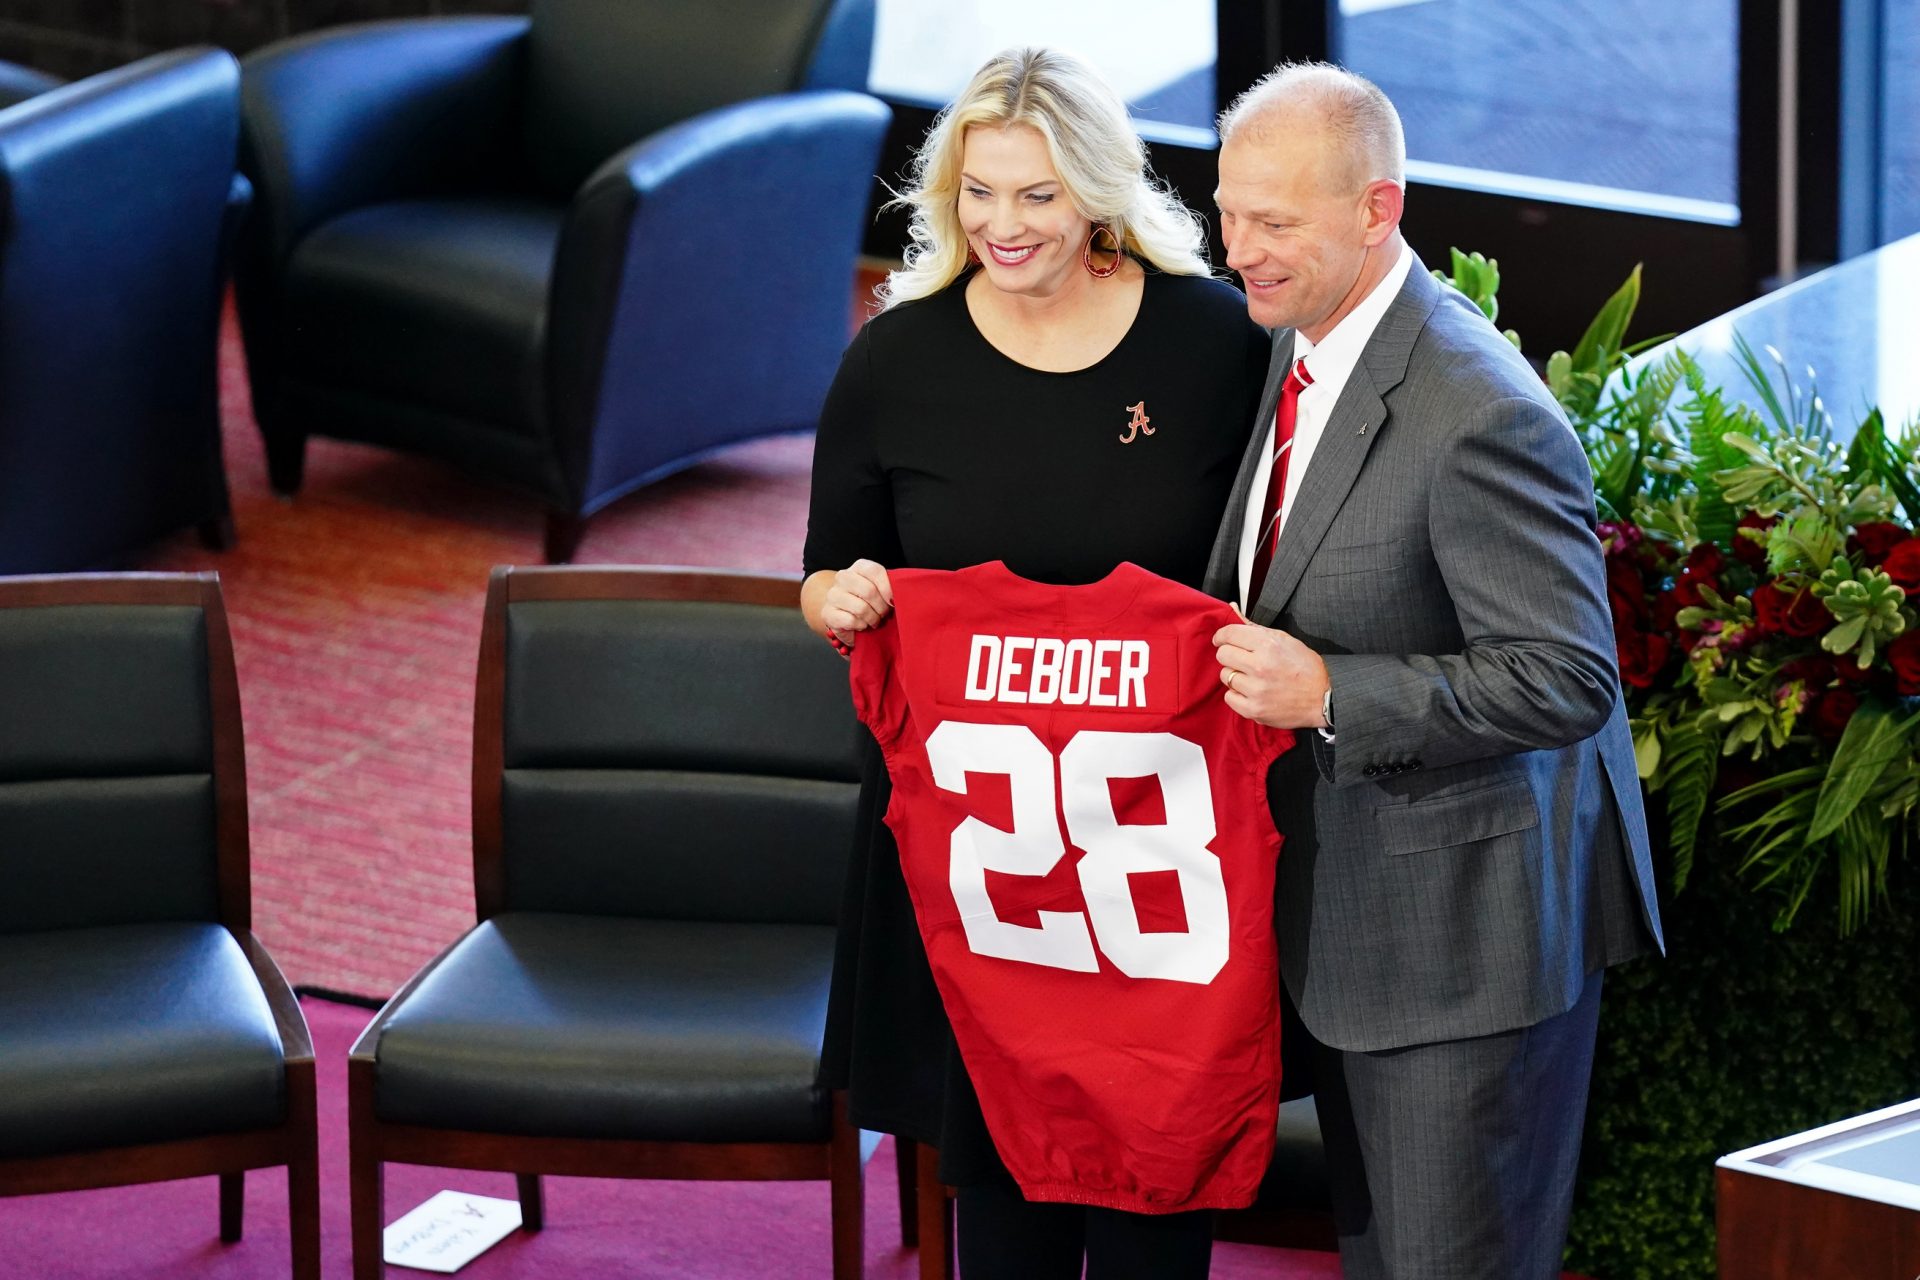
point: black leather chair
(117, 198)
(145, 1034)
(572, 252)
(18, 83)
(663, 799)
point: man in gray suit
(1466, 847)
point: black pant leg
(1003, 1236)
(1144, 1246)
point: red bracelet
(840, 646)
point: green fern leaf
(1692, 759)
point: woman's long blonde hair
(1100, 159)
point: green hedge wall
(1740, 1035)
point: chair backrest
(603, 74)
(122, 775)
(18, 83)
(660, 744)
(113, 204)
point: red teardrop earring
(1086, 254)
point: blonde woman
(1056, 382)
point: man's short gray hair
(1357, 118)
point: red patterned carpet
(356, 619)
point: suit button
(1372, 771)
(1414, 765)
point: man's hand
(1271, 677)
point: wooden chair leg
(233, 1205)
(366, 1175)
(935, 1210)
(286, 461)
(533, 1203)
(563, 537)
(303, 1177)
(906, 1168)
(845, 1172)
(216, 532)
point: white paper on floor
(449, 1231)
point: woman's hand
(841, 603)
(858, 598)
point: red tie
(1298, 379)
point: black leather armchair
(573, 252)
(18, 83)
(117, 197)
(663, 799)
(145, 1034)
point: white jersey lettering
(1074, 673)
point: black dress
(937, 451)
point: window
(1159, 54)
(1900, 108)
(1626, 104)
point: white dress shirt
(1330, 364)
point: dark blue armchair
(572, 252)
(18, 83)
(117, 195)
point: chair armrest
(18, 83)
(366, 1045)
(239, 208)
(705, 273)
(380, 111)
(296, 1042)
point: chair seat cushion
(132, 1034)
(436, 302)
(1297, 1178)
(579, 1026)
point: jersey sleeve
(850, 512)
(1264, 743)
(879, 695)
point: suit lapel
(1223, 567)
(1358, 419)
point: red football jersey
(1084, 830)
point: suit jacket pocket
(1359, 557)
(1445, 821)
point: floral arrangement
(1763, 579)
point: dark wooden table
(1836, 1203)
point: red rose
(1902, 563)
(1642, 654)
(1626, 591)
(1704, 560)
(1833, 710)
(1874, 539)
(1769, 608)
(1903, 656)
(1815, 670)
(1746, 550)
(1806, 616)
(1853, 673)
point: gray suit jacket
(1474, 843)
